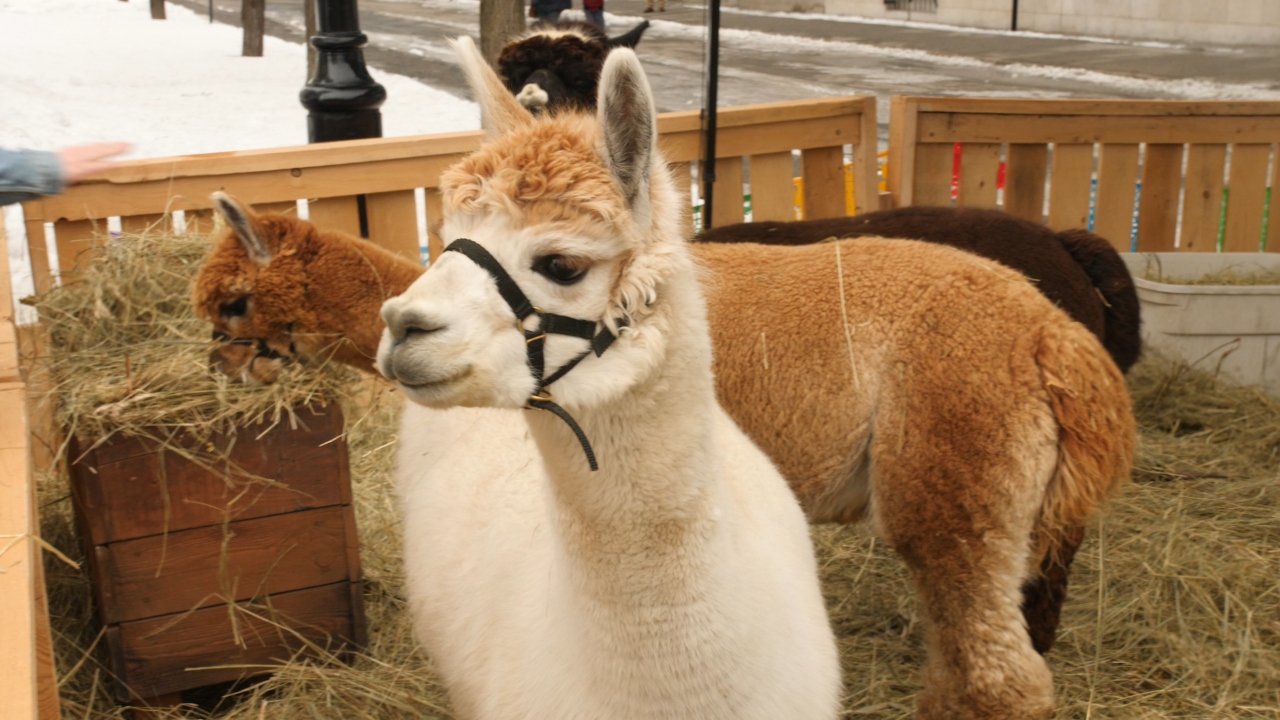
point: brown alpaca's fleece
(939, 394)
(319, 297)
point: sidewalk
(1240, 64)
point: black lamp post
(342, 98)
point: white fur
(533, 96)
(679, 580)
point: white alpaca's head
(580, 213)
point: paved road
(778, 57)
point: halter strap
(535, 340)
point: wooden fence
(756, 141)
(1193, 172)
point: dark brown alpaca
(555, 66)
(1080, 272)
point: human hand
(80, 160)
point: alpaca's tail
(1111, 277)
(1095, 422)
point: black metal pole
(1014, 26)
(210, 12)
(342, 98)
(708, 168)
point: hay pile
(1174, 608)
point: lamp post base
(328, 125)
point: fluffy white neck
(660, 469)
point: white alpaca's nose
(405, 323)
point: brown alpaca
(1079, 271)
(939, 396)
(306, 292)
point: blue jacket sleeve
(28, 174)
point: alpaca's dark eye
(235, 308)
(561, 269)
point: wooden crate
(171, 542)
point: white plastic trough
(1231, 329)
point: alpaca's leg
(1043, 595)
(964, 530)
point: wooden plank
(155, 655)
(1158, 207)
(726, 206)
(934, 165)
(823, 172)
(38, 252)
(1026, 171)
(284, 207)
(748, 115)
(139, 224)
(393, 222)
(1117, 184)
(1273, 225)
(1246, 197)
(763, 138)
(19, 560)
(161, 492)
(1070, 186)
(103, 200)
(773, 187)
(75, 241)
(866, 164)
(338, 213)
(199, 222)
(903, 141)
(1167, 108)
(180, 571)
(1202, 201)
(435, 221)
(981, 128)
(979, 172)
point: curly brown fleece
(935, 393)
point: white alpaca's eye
(561, 269)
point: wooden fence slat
(393, 222)
(903, 143)
(1158, 208)
(1272, 240)
(38, 249)
(979, 171)
(866, 162)
(932, 174)
(772, 187)
(1117, 183)
(1026, 170)
(435, 216)
(336, 213)
(1246, 197)
(1202, 201)
(1070, 186)
(139, 224)
(726, 206)
(199, 222)
(1155, 108)
(823, 170)
(985, 128)
(284, 207)
(76, 240)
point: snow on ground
(79, 71)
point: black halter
(536, 339)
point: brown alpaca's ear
(629, 126)
(243, 221)
(500, 112)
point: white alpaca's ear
(240, 218)
(628, 125)
(500, 112)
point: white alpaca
(678, 581)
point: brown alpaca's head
(252, 289)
